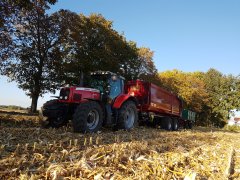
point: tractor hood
(87, 89)
(78, 94)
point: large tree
(92, 44)
(187, 85)
(10, 8)
(212, 94)
(145, 56)
(147, 69)
(224, 93)
(49, 50)
(33, 52)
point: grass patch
(232, 128)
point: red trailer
(154, 99)
(164, 107)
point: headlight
(132, 94)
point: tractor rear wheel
(128, 116)
(88, 117)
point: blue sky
(189, 35)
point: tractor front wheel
(88, 117)
(128, 116)
(57, 114)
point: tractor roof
(106, 73)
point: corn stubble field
(30, 152)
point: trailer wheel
(128, 116)
(166, 123)
(88, 117)
(189, 125)
(175, 124)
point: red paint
(80, 94)
(152, 98)
(120, 100)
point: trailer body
(188, 115)
(159, 106)
(152, 98)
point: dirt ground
(30, 152)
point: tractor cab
(109, 84)
(103, 86)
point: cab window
(115, 87)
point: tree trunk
(34, 103)
(81, 83)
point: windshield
(104, 83)
(99, 82)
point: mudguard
(121, 99)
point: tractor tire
(175, 124)
(54, 123)
(88, 117)
(56, 118)
(60, 121)
(167, 123)
(128, 116)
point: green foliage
(232, 128)
(89, 43)
(31, 53)
(41, 52)
(188, 86)
(10, 8)
(211, 94)
(223, 93)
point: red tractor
(109, 102)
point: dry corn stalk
(28, 152)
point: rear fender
(121, 99)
